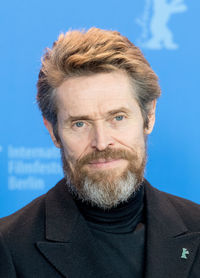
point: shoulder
(180, 203)
(18, 222)
(29, 218)
(187, 210)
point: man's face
(102, 139)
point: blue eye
(79, 124)
(119, 118)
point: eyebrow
(86, 117)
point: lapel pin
(185, 252)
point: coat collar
(70, 246)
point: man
(97, 94)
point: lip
(102, 160)
(101, 163)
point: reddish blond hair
(79, 53)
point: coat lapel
(171, 248)
(69, 245)
(71, 249)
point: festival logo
(156, 33)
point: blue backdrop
(168, 34)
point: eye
(79, 124)
(119, 118)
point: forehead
(95, 93)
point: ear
(151, 117)
(50, 129)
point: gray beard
(105, 195)
(106, 189)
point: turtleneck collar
(119, 220)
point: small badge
(185, 252)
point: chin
(106, 194)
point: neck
(122, 219)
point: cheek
(131, 137)
(73, 147)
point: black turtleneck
(120, 235)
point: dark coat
(49, 238)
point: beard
(104, 188)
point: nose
(101, 139)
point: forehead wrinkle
(87, 117)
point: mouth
(107, 163)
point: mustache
(107, 154)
